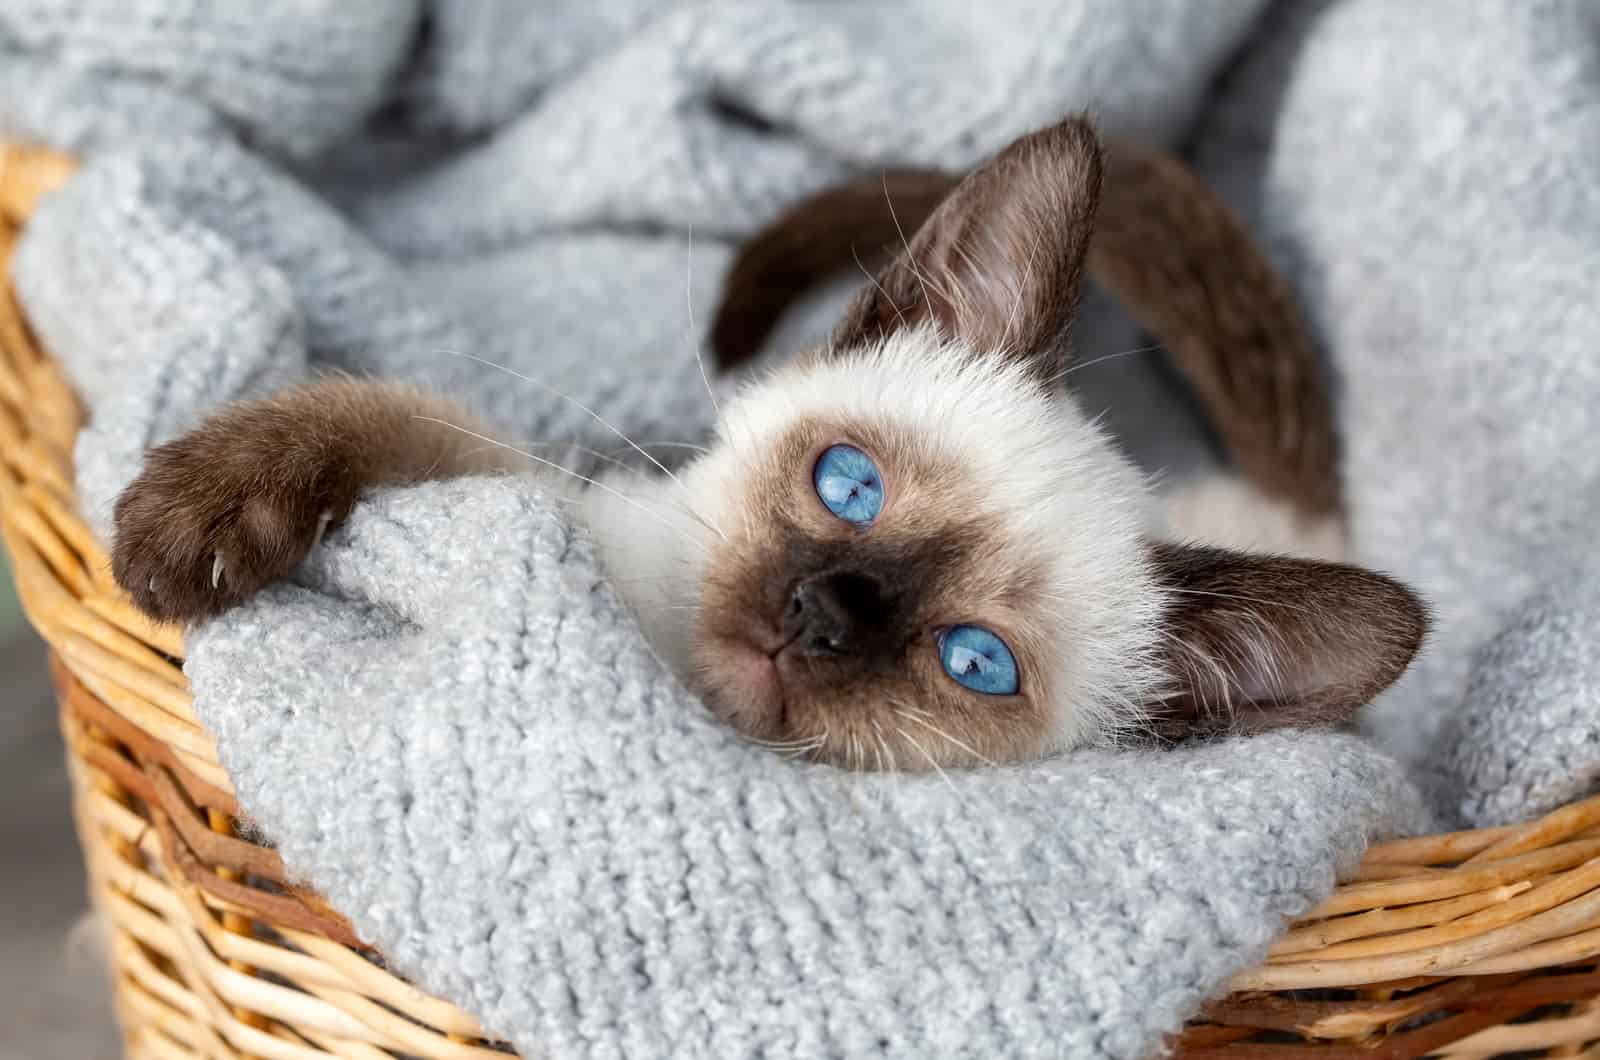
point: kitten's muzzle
(838, 615)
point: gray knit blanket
(449, 726)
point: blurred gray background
(53, 998)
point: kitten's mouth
(774, 644)
(748, 685)
(759, 663)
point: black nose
(839, 613)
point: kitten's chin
(740, 682)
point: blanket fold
(451, 728)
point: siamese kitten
(908, 547)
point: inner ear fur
(1257, 642)
(999, 264)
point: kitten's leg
(239, 501)
(1227, 511)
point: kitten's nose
(834, 614)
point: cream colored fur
(1228, 512)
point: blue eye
(979, 660)
(849, 484)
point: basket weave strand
(1467, 944)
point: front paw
(221, 512)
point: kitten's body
(1001, 508)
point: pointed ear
(1261, 642)
(999, 263)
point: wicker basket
(1471, 944)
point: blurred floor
(54, 1003)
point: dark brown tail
(811, 242)
(1165, 245)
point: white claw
(216, 570)
(322, 527)
(152, 583)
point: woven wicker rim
(218, 953)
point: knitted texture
(450, 727)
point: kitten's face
(927, 559)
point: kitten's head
(928, 555)
(925, 551)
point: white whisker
(694, 330)
(611, 460)
(1027, 273)
(874, 281)
(671, 445)
(934, 762)
(940, 732)
(910, 258)
(1099, 360)
(601, 420)
(877, 745)
(633, 502)
(784, 745)
(1241, 599)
